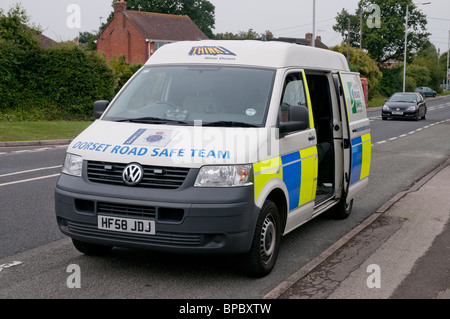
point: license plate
(127, 225)
(397, 113)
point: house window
(159, 44)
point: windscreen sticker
(146, 137)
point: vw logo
(132, 174)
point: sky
(62, 20)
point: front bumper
(404, 114)
(187, 220)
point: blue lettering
(115, 149)
(181, 152)
(133, 151)
(93, 146)
(173, 151)
(201, 153)
(82, 145)
(124, 150)
(107, 145)
(164, 152)
(155, 152)
(142, 151)
(211, 154)
(76, 144)
(223, 154)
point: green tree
(123, 71)
(14, 27)
(88, 39)
(428, 58)
(250, 34)
(201, 12)
(360, 61)
(386, 41)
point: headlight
(73, 165)
(411, 108)
(224, 176)
(385, 108)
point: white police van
(218, 147)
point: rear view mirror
(99, 108)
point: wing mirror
(298, 116)
(99, 108)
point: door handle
(311, 138)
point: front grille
(154, 176)
(160, 238)
(126, 210)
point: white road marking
(31, 170)
(29, 180)
(10, 264)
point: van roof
(271, 54)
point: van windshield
(182, 95)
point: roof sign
(210, 50)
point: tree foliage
(386, 41)
(250, 34)
(360, 61)
(60, 82)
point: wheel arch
(278, 197)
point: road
(35, 256)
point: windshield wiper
(152, 120)
(229, 124)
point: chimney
(119, 8)
(308, 37)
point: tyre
(342, 210)
(90, 249)
(261, 258)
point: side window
(293, 94)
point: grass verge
(377, 100)
(38, 131)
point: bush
(61, 82)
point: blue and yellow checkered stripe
(297, 170)
(361, 156)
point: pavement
(401, 251)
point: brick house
(138, 34)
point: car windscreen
(216, 96)
(402, 98)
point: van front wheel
(261, 258)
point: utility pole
(404, 56)
(313, 41)
(448, 41)
(348, 42)
(360, 27)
